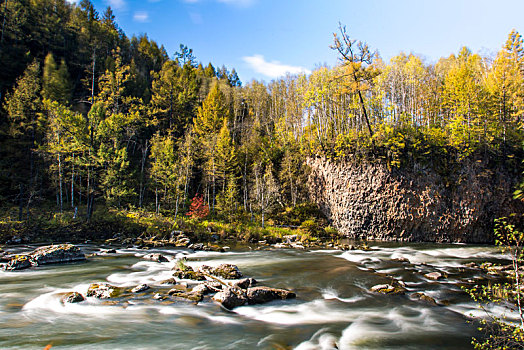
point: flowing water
(333, 306)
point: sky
(264, 39)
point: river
(333, 304)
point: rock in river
(433, 275)
(140, 288)
(19, 262)
(155, 257)
(260, 295)
(231, 298)
(56, 254)
(387, 289)
(72, 297)
(102, 291)
(227, 271)
(187, 273)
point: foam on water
(321, 340)
(318, 311)
(330, 294)
(394, 323)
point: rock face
(364, 200)
(261, 295)
(56, 254)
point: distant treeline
(92, 117)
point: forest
(93, 119)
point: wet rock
(434, 276)
(261, 295)
(227, 271)
(245, 283)
(387, 289)
(155, 257)
(169, 281)
(102, 291)
(72, 297)
(401, 260)
(159, 296)
(231, 298)
(140, 288)
(109, 251)
(423, 297)
(188, 274)
(191, 296)
(19, 262)
(472, 265)
(57, 254)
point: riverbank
(145, 229)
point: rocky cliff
(368, 200)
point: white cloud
(273, 69)
(73, 1)
(116, 4)
(141, 16)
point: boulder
(245, 283)
(188, 274)
(102, 291)
(433, 275)
(260, 295)
(231, 298)
(387, 289)
(423, 297)
(19, 262)
(155, 257)
(140, 288)
(72, 297)
(56, 254)
(194, 296)
(227, 271)
(159, 296)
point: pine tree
(56, 85)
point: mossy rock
(227, 271)
(388, 289)
(188, 274)
(103, 291)
(191, 296)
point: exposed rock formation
(51, 254)
(364, 200)
(57, 254)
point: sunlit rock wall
(368, 200)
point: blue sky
(262, 39)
